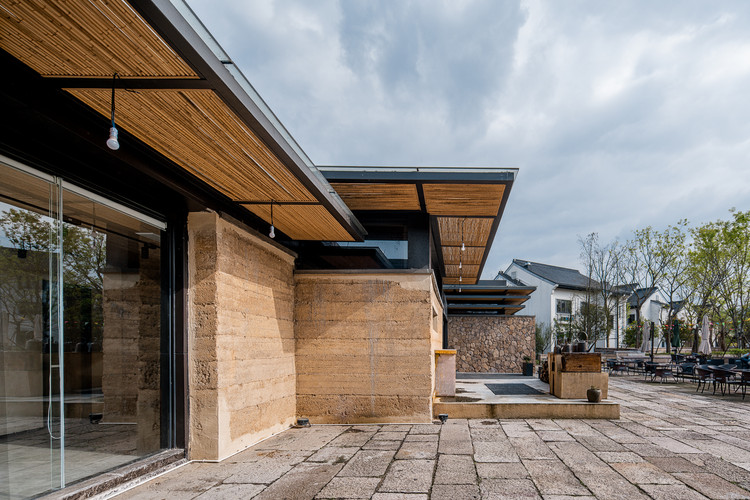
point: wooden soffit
(175, 95)
(380, 196)
(466, 205)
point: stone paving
(669, 443)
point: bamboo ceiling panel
(196, 130)
(454, 281)
(472, 255)
(476, 231)
(463, 199)
(303, 222)
(468, 271)
(86, 38)
(378, 196)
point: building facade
(561, 294)
(195, 283)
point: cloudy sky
(619, 115)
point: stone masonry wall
(491, 344)
(365, 346)
(241, 338)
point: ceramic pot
(594, 395)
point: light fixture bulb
(463, 247)
(459, 289)
(272, 232)
(112, 142)
(460, 279)
(460, 265)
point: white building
(560, 292)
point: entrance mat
(512, 389)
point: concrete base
(567, 409)
(476, 400)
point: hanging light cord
(114, 78)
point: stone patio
(668, 444)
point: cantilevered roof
(465, 205)
(185, 98)
(489, 298)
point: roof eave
(173, 27)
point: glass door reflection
(30, 424)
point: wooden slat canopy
(496, 297)
(176, 96)
(466, 205)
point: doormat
(513, 389)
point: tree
(602, 264)
(25, 267)
(644, 264)
(671, 244)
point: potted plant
(527, 367)
(594, 394)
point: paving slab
(712, 485)
(333, 454)
(417, 450)
(672, 492)
(455, 492)
(495, 451)
(408, 476)
(455, 469)
(508, 489)
(531, 447)
(455, 438)
(502, 471)
(644, 473)
(302, 483)
(368, 463)
(350, 487)
(552, 477)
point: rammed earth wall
(491, 344)
(241, 328)
(365, 346)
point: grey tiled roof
(562, 276)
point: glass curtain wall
(80, 334)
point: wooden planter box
(572, 374)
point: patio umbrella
(646, 335)
(705, 347)
(676, 334)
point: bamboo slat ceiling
(466, 203)
(193, 127)
(86, 38)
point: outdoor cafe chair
(686, 370)
(722, 378)
(649, 369)
(702, 376)
(662, 372)
(742, 382)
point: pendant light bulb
(460, 265)
(272, 232)
(463, 247)
(112, 142)
(460, 279)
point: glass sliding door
(80, 334)
(30, 424)
(112, 331)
